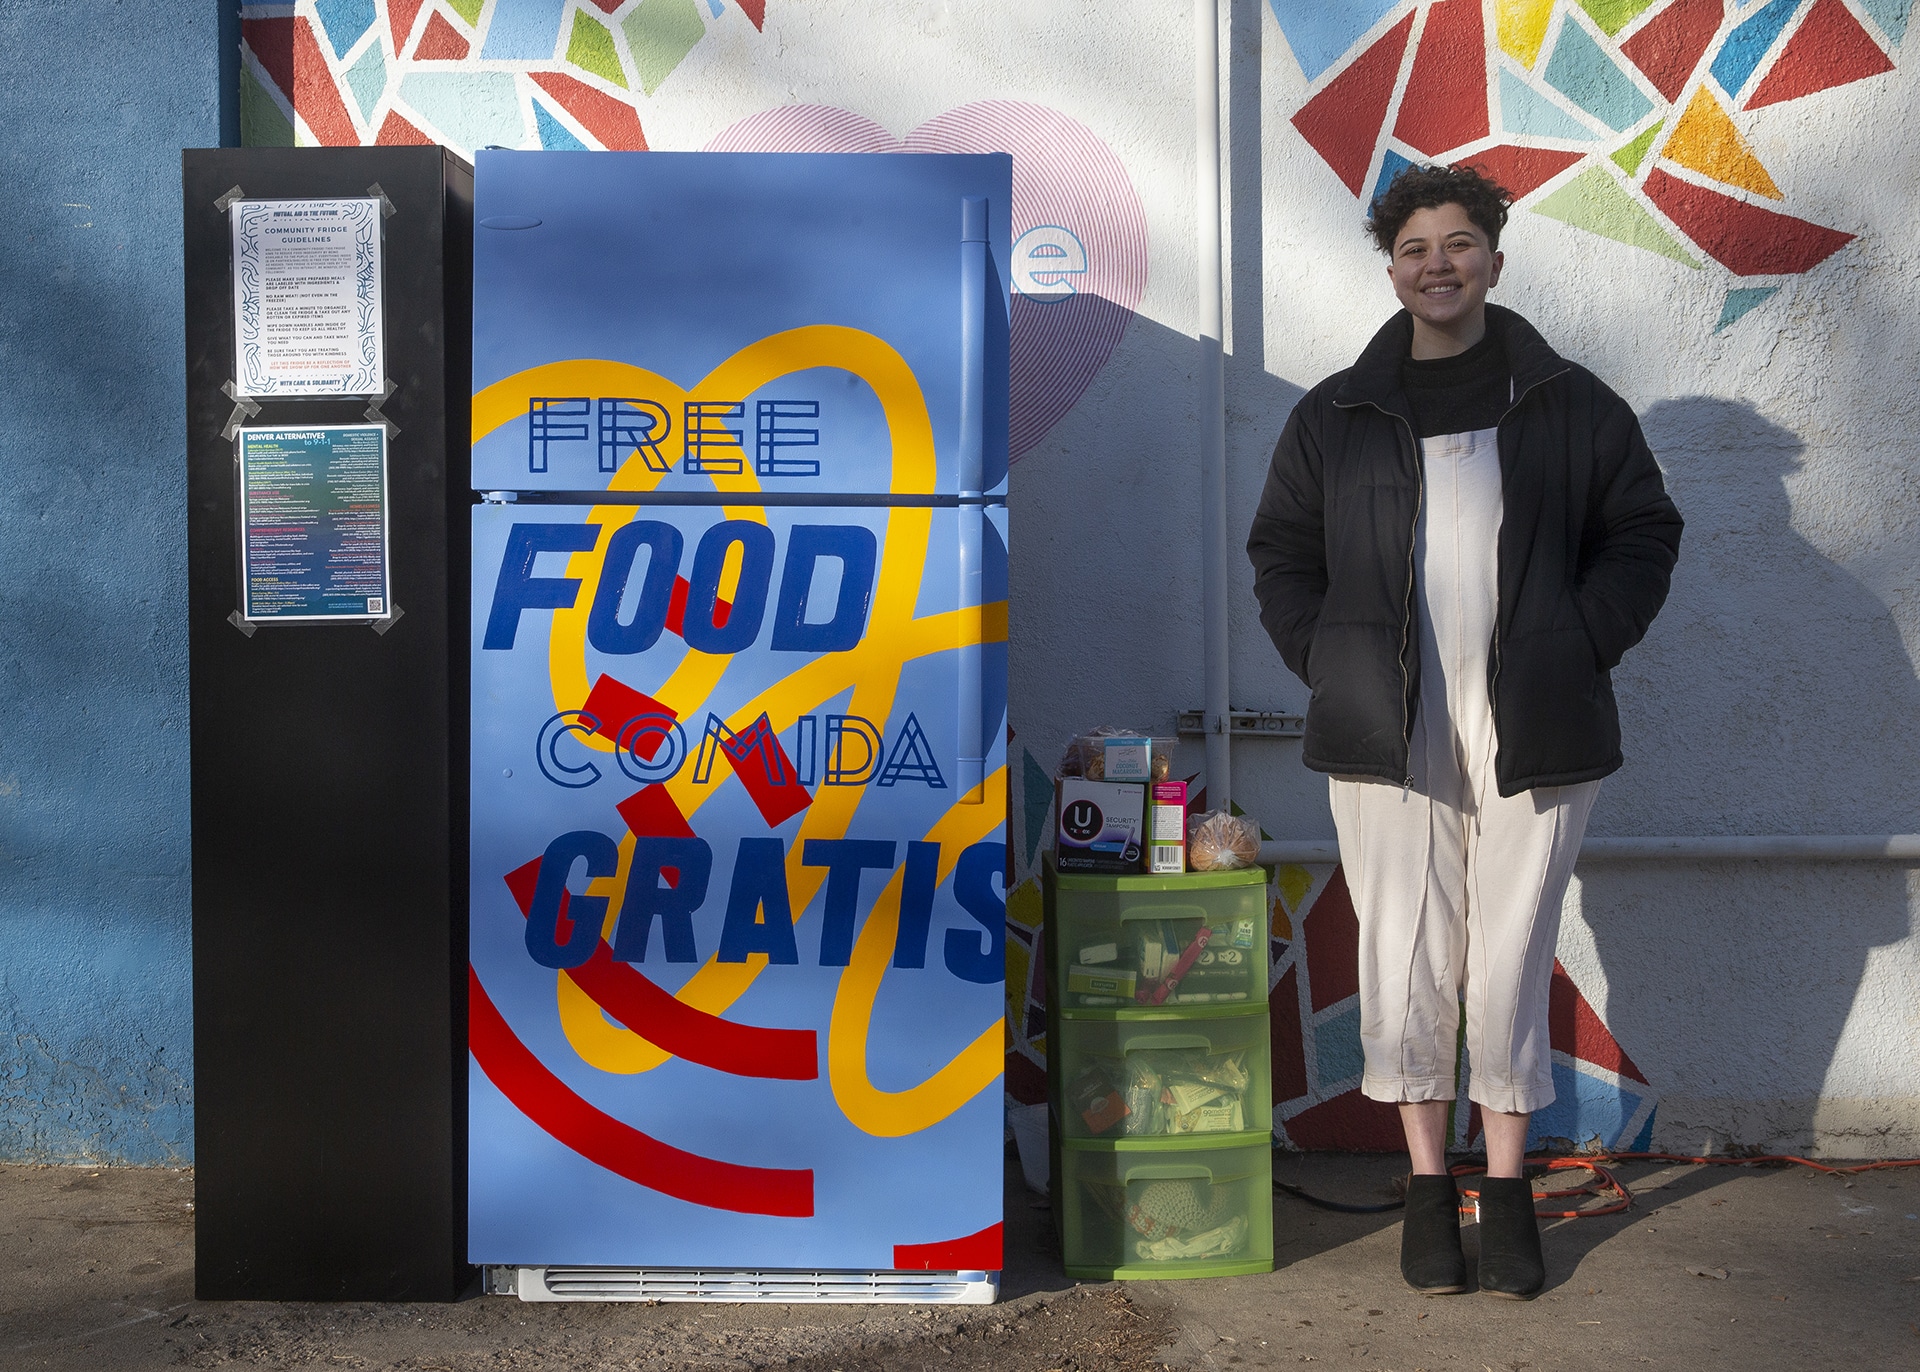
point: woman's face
(1442, 268)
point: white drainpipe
(1212, 402)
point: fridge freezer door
(792, 323)
(737, 939)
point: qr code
(376, 605)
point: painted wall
(96, 1053)
(1715, 218)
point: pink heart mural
(1080, 236)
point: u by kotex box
(1100, 826)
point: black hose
(1341, 1206)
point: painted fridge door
(787, 322)
(737, 928)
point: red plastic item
(1156, 992)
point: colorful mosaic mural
(468, 73)
(1602, 1100)
(1630, 119)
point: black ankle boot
(1430, 1257)
(1510, 1261)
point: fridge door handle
(972, 656)
(971, 473)
(973, 346)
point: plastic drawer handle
(1164, 912)
(1167, 1172)
(1157, 1042)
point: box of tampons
(1167, 827)
(1101, 825)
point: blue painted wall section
(96, 1047)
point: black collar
(1374, 378)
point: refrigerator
(738, 752)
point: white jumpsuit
(1457, 889)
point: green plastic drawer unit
(1165, 1076)
(1193, 941)
(1163, 1211)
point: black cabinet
(329, 794)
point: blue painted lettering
(557, 938)
(685, 864)
(519, 589)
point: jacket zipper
(1406, 612)
(1406, 618)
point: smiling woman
(1459, 538)
(1440, 230)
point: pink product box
(1167, 827)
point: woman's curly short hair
(1428, 188)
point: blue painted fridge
(738, 723)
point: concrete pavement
(1820, 1273)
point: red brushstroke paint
(756, 12)
(1521, 170)
(615, 124)
(1446, 101)
(651, 811)
(1332, 933)
(1828, 49)
(1574, 1028)
(975, 1253)
(290, 54)
(1746, 239)
(620, 1148)
(440, 43)
(1670, 46)
(662, 1019)
(677, 608)
(760, 760)
(614, 705)
(1342, 123)
(397, 132)
(521, 882)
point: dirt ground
(1743, 1269)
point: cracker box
(1167, 827)
(1101, 825)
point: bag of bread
(1220, 842)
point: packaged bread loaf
(1219, 842)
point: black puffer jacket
(1588, 539)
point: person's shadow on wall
(1774, 695)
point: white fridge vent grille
(749, 1286)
